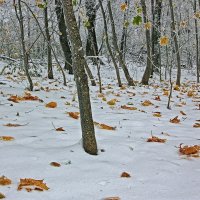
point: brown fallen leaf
(27, 97)
(60, 129)
(14, 125)
(147, 103)
(157, 98)
(196, 125)
(112, 102)
(6, 138)
(175, 120)
(156, 139)
(32, 182)
(128, 107)
(104, 126)
(112, 198)
(2, 196)
(55, 164)
(157, 114)
(51, 105)
(5, 181)
(182, 112)
(125, 175)
(74, 115)
(189, 150)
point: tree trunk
(48, 37)
(79, 65)
(108, 45)
(118, 52)
(91, 45)
(156, 30)
(174, 36)
(147, 73)
(63, 36)
(25, 54)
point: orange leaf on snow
(166, 93)
(74, 115)
(55, 164)
(112, 102)
(112, 198)
(27, 97)
(32, 182)
(175, 120)
(13, 125)
(5, 181)
(156, 139)
(128, 107)
(157, 98)
(147, 103)
(125, 175)
(6, 138)
(60, 129)
(104, 126)
(51, 105)
(123, 6)
(189, 150)
(196, 125)
(157, 114)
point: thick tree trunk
(63, 36)
(108, 44)
(174, 36)
(91, 45)
(115, 44)
(79, 65)
(25, 54)
(156, 30)
(147, 73)
(48, 37)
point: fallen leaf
(190, 93)
(177, 88)
(13, 125)
(112, 102)
(128, 107)
(125, 175)
(6, 138)
(175, 120)
(157, 98)
(32, 182)
(157, 114)
(166, 93)
(156, 139)
(74, 115)
(60, 129)
(112, 198)
(5, 181)
(189, 150)
(147, 103)
(104, 126)
(182, 112)
(51, 105)
(196, 125)
(55, 164)
(2, 196)
(27, 97)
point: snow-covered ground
(157, 170)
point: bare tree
(79, 65)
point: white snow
(157, 170)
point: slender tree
(79, 65)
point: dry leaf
(32, 182)
(13, 125)
(157, 98)
(74, 115)
(157, 114)
(27, 97)
(177, 88)
(123, 6)
(104, 126)
(175, 120)
(164, 40)
(182, 113)
(166, 93)
(2, 196)
(196, 125)
(125, 175)
(147, 103)
(112, 102)
(6, 138)
(112, 198)
(60, 129)
(189, 150)
(190, 93)
(51, 105)
(156, 139)
(55, 164)
(5, 181)
(128, 107)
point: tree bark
(79, 65)
(174, 36)
(147, 72)
(48, 37)
(63, 36)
